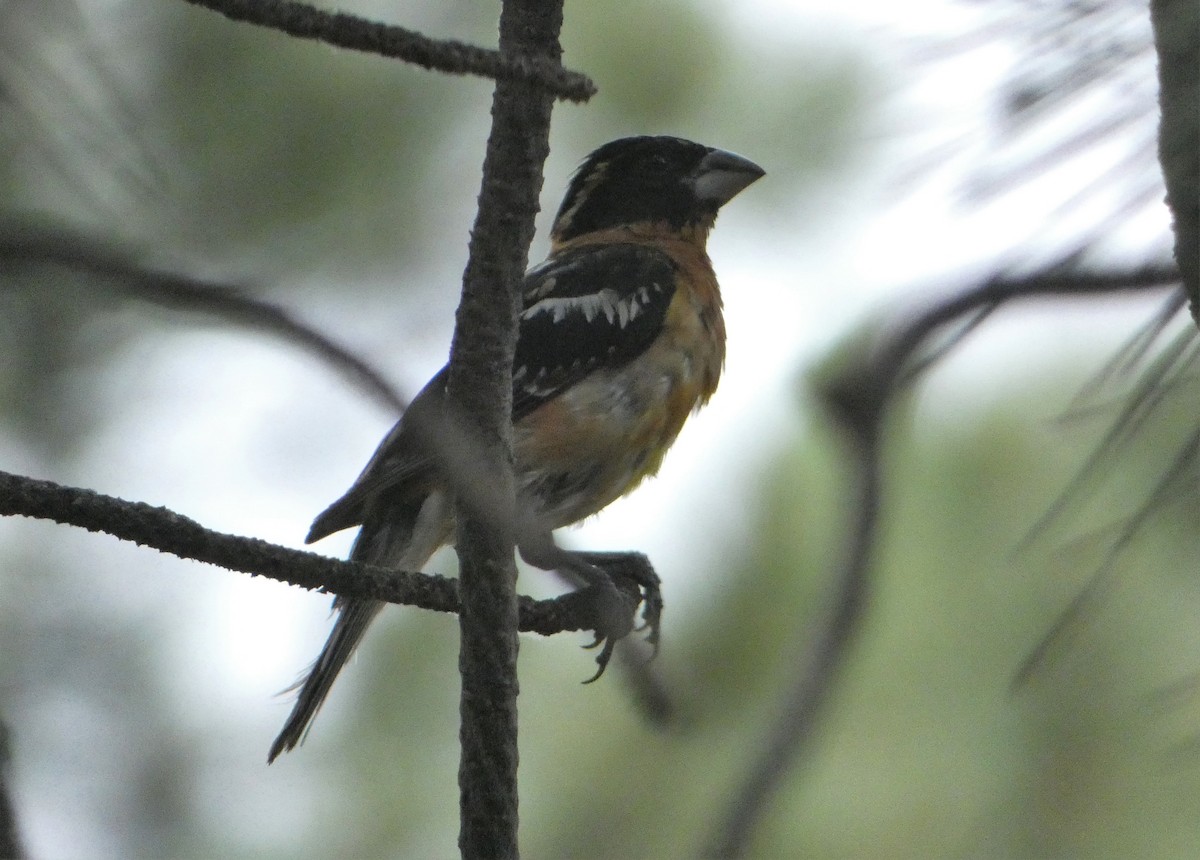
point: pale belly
(603, 436)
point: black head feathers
(650, 179)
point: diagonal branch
(24, 244)
(442, 55)
(169, 532)
(859, 397)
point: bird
(620, 338)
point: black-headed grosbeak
(621, 338)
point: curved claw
(617, 582)
(602, 660)
(651, 618)
(595, 642)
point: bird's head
(654, 180)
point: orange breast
(603, 436)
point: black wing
(400, 462)
(596, 306)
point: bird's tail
(353, 618)
(404, 539)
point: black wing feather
(400, 462)
(594, 307)
(597, 306)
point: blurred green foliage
(288, 144)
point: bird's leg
(634, 568)
(617, 582)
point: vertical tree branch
(480, 391)
(10, 841)
(1176, 28)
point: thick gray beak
(720, 175)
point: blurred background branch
(107, 266)
(859, 394)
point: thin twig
(1181, 470)
(1131, 353)
(386, 40)
(1151, 390)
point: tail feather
(404, 538)
(354, 616)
